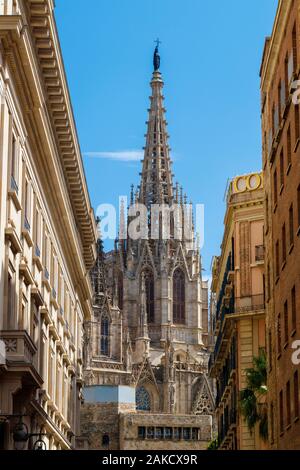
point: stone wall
(129, 424)
(99, 419)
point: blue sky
(210, 59)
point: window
(105, 440)
(282, 96)
(14, 164)
(277, 259)
(294, 43)
(37, 232)
(280, 108)
(141, 432)
(286, 322)
(159, 433)
(279, 334)
(275, 119)
(281, 422)
(270, 349)
(286, 77)
(178, 296)
(290, 67)
(149, 286)
(281, 169)
(104, 346)
(289, 146)
(288, 403)
(267, 214)
(142, 398)
(297, 129)
(275, 188)
(293, 302)
(296, 395)
(298, 203)
(150, 433)
(283, 233)
(272, 422)
(268, 282)
(10, 301)
(291, 224)
(27, 202)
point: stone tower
(154, 303)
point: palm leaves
(252, 398)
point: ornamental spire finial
(156, 58)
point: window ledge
(27, 236)
(12, 193)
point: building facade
(281, 168)
(146, 354)
(238, 308)
(47, 235)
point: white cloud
(121, 156)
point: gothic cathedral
(146, 348)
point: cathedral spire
(98, 273)
(156, 178)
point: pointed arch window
(142, 398)
(149, 286)
(178, 296)
(105, 331)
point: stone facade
(238, 308)
(281, 165)
(149, 327)
(47, 236)
(164, 431)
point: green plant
(253, 397)
(213, 445)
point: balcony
(9, 7)
(253, 303)
(21, 354)
(259, 254)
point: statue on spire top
(156, 58)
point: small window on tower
(104, 341)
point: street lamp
(21, 436)
(39, 445)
